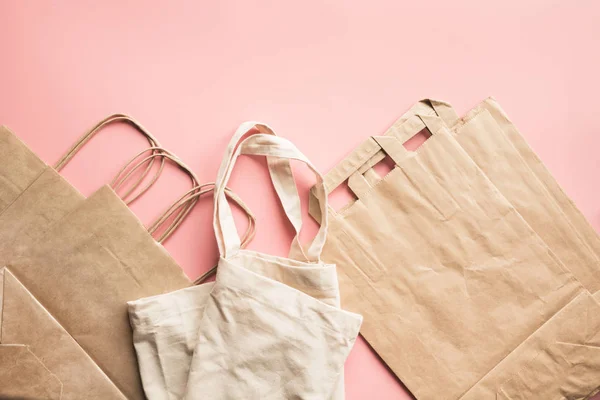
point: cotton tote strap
(283, 181)
(267, 144)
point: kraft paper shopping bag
(495, 145)
(86, 267)
(261, 338)
(33, 195)
(51, 365)
(49, 227)
(23, 376)
(449, 276)
(561, 360)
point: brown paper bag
(23, 376)
(33, 195)
(494, 143)
(85, 269)
(52, 365)
(448, 275)
(37, 204)
(560, 361)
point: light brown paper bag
(24, 377)
(272, 327)
(47, 223)
(561, 360)
(33, 195)
(52, 365)
(494, 143)
(85, 269)
(448, 275)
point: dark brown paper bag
(52, 365)
(449, 277)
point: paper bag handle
(369, 153)
(76, 147)
(187, 198)
(164, 154)
(195, 193)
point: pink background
(325, 74)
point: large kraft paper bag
(496, 146)
(85, 269)
(45, 223)
(263, 338)
(449, 276)
(51, 365)
(38, 358)
(33, 195)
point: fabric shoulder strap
(276, 149)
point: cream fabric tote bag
(165, 327)
(495, 145)
(450, 277)
(261, 338)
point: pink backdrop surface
(325, 74)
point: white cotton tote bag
(166, 326)
(261, 337)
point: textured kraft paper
(86, 267)
(559, 361)
(80, 259)
(449, 276)
(38, 358)
(32, 196)
(495, 145)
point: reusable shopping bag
(261, 338)
(450, 277)
(165, 327)
(496, 146)
(560, 361)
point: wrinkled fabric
(561, 360)
(450, 277)
(165, 333)
(278, 334)
(165, 327)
